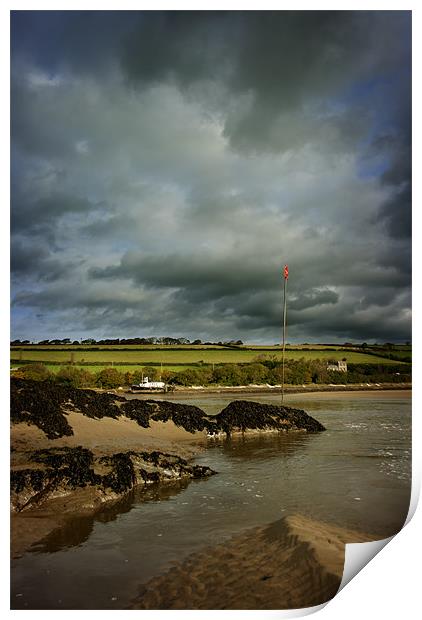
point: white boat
(146, 384)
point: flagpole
(285, 273)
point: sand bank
(110, 435)
(292, 563)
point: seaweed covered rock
(57, 472)
(39, 404)
(243, 415)
(45, 404)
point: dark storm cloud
(314, 298)
(210, 275)
(37, 262)
(32, 215)
(82, 41)
(166, 164)
(281, 60)
(397, 213)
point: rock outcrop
(243, 415)
(40, 475)
(57, 472)
(45, 404)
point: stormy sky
(165, 165)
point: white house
(340, 366)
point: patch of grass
(186, 357)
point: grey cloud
(280, 59)
(169, 196)
(314, 298)
(397, 213)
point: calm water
(357, 474)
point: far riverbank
(290, 389)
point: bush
(109, 378)
(36, 372)
(75, 377)
(228, 374)
(256, 373)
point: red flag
(286, 272)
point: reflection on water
(356, 474)
(78, 530)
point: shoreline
(296, 389)
(107, 436)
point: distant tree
(36, 372)
(167, 375)
(196, 342)
(128, 378)
(227, 374)
(152, 372)
(255, 373)
(109, 378)
(191, 376)
(75, 377)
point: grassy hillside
(188, 355)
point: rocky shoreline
(56, 472)
(73, 450)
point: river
(357, 475)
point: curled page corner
(358, 555)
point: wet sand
(292, 563)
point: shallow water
(356, 475)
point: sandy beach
(294, 562)
(109, 435)
(104, 436)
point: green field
(97, 368)
(177, 356)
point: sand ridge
(292, 563)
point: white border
(389, 586)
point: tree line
(269, 372)
(164, 340)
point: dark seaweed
(243, 415)
(39, 403)
(44, 404)
(71, 468)
(122, 476)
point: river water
(357, 475)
